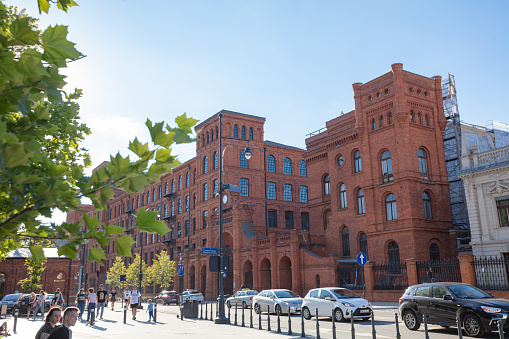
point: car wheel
(473, 326)
(278, 310)
(228, 304)
(257, 308)
(244, 304)
(338, 315)
(411, 321)
(306, 314)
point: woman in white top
(40, 304)
(92, 301)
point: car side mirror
(328, 298)
(447, 297)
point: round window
(341, 160)
(378, 95)
(418, 91)
(410, 89)
(370, 98)
(386, 91)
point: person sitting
(3, 329)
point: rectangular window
(205, 192)
(272, 218)
(187, 203)
(304, 220)
(289, 219)
(244, 187)
(303, 194)
(271, 190)
(503, 211)
(194, 225)
(187, 227)
(288, 192)
(216, 187)
(205, 219)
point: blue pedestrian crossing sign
(362, 258)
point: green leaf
(146, 222)
(138, 148)
(68, 250)
(92, 223)
(43, 6)
(156, 171)
(23, 33)
(64, 4)
(57, 49)
(134, 184)
(124, 243)
(159, 137)
(54, 94)
(96, 254)
(37, 252)
(30, 63)
(164, 154)
(114, 229)
(71, 228)
(15, 155)
(184, 123)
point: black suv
(443, 302)
(167, 297)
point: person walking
(126, 296)
(58, 299)
(92, 301)
(39, 304)
(81, 298)
(134, 299)
(31, 304)
(101, 300)
(150, 310)
(52, 319)
(113, 297)
(64, 331)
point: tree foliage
(162, 271)
(116, 270)
(41, 163)
(32, 281)
(133, 272)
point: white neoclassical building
(485, 175)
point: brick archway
(265, 275)
(285, 273)
(247, 271)
(203, 275)
(192, 277)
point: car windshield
(49, 296)
(469, 292)
(195, 292)
(11, 297)
(286, 294)
(252, 293)
(345, 294)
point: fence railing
(351, 275)
(390, 276)
(491, 273)
(441, 270)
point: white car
(344, 302)
(191, 295)
(277, 301)
(241, 298)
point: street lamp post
(221, 318)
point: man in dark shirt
(64, 331)
(101, 300)
(52, 318)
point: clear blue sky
(290, 61)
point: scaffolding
(452, 148)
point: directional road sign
(362, 258)
(180, 267)
(210, 251)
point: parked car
(22, 303)
(167, 297)
(47, 302)
(345, 303)
(192, 295)
(241, 298)
(443, 302)
(10, 299)
(277, 300)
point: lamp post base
(220, 320)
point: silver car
(191, 295)
(277, 301)
(344, 302)
(241, 298)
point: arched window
(212, 135)
(303, 194)
(205, 165)
(386, 162)
(173, 208)
(194, 177)
(137, 202)
(235, 131)
(188, 179)
(390, 207)
(423, 163)
(173, 185)
(394, 261)
(434, 252)
(412, 117)
(148, 199)
(345, 241)
(373, 124)
(204, 219)
(250, 133)
(154, 194)
(180, 206)
(390, 118)
(205, 191)
(243, 132)
(419, 118)
(381, 121)
(180, 182)
(326, 185)
(360, 202)
(203, 139)
(165, 210)
(271, 164)
(326, 219)
(426, 201)
(243, 163)
(363, 243)
(159, 194)
(166, 188)
(303, 171)
(357, 161)
(342, 196)
(208, 137)
(216, 160)
(426, 119)
(287, 166)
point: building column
(273, 262)
(369, 279)
(467, 269)
(411, 269)
(295, 255)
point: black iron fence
(390, 276)
(491, 273)
(438, 270)
(351, 275)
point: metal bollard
(259, 317)
(229, 316)
(211, 316)
(251, 316)
(425, 321)
(353, 328)
(289, 322)
(333, 324)
(302, 333)
(460, 331)
(155, 312)
(235, 314)
(182, 313)
(201, 310)
(206, 311)
(373, 331)
(125, 313)
(15, 313)
(268, 318)
(398, 335)
(317, 326)
(278, 322)
(243, 323)
(500, 329)
(92, 316)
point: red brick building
(374, 181)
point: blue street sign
(180, 259)
(224, 275)
(361, 258)
(210, 251)
(181, 269)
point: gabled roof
(24, 252)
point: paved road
(169, 325)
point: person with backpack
(58, 299)
(134, 299)
(92, 301)
(81, 298)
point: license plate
(364, 311)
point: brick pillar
(467, 269)
(411, 269)
(369, 279)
